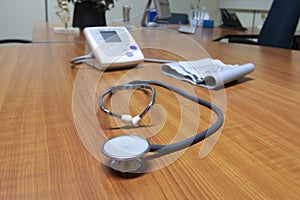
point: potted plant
(90, 12)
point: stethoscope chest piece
(125, 152)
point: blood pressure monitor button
(133, 47)
(129, 54)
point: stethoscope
(127, 153)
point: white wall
(138, 6)
(178, 6)
(246, 4)
(17, 18)
(250, 12)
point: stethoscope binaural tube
(127, 118)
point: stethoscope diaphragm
(125, 152)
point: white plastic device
(111, 48)
(187, 29)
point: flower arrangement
(86, 12)
(102, 5)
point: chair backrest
(279, 28)
(14, 41)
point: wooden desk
(210, 34)
(43, 32)
(42, 156)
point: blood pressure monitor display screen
(110, 36)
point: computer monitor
(162, 8)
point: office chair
(278, 29)
(11, 41)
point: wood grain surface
(43, 155)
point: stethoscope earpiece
(131, 120)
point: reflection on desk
(43, 157)
(43, 33)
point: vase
(86, 14)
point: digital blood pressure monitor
(111, 47)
